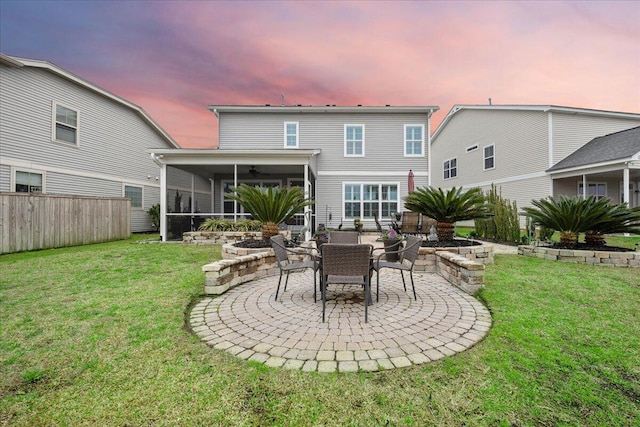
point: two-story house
(354, 161)
(523, 150)
(60, 134)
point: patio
(247, 322)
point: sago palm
(448, 207)
(574, 215)
(618, 218)
(270, 205)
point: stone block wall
(220, 276)
(604, 258)
(460, 271)
(427, 256)
(222, 237)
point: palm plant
(270, 205)
(574, 215)
(448, 207)
(618, 219)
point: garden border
(604, 258)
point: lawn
(96, 335)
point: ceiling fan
(255, 172)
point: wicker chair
(286, 265)
(346, 263)
(408, 256)
(344, 237)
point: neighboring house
(60, 134)
(354, 161)
(531, 152)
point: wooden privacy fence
(38, 221)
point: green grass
(95, 335)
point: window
(354, 140)
(472, 148)
(598, 189)
(135, 194)
(413, 141)
(362, 201)
(65, 124)
(28, 182)
(450, 168)
(489, 157)
(290, 134)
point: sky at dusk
(173, 58)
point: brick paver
(289, 333)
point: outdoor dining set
(344, 260)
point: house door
(633, 195)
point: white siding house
(516, 146)
(60, 134)
(354, 161)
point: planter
(392, 245)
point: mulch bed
(450, 243)
(585, 247)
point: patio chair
(408, 256)
(347, 264)
(287, 266)
(344, 237)
(410, 223)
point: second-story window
(450, 168)
(413, 141)
(354, 140)
(489, 157)
(290, 134)
(65, 127)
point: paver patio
(246, 321)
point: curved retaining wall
(464, 270)
(604, 258)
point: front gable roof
(623, 145)
(14, 61)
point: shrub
(504, 223)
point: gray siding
(112, 140)
(571, 131)
(519, 139)
(384, 137)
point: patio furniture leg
(278, 288)
(323, 290)
(378, 285)
(415, 297)
(286, 281)
(367, 297)
(401, 273)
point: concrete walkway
(289, 333)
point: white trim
(484, 157)
(428, 151)
(372, 174)
(345, 140)
(506, 180)
(550, 137)
(417, 125)
(589, 167)
(361, 183)
(297, 135)
(141, 187)
(54, 122)
(471, 148)
(12, 177)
